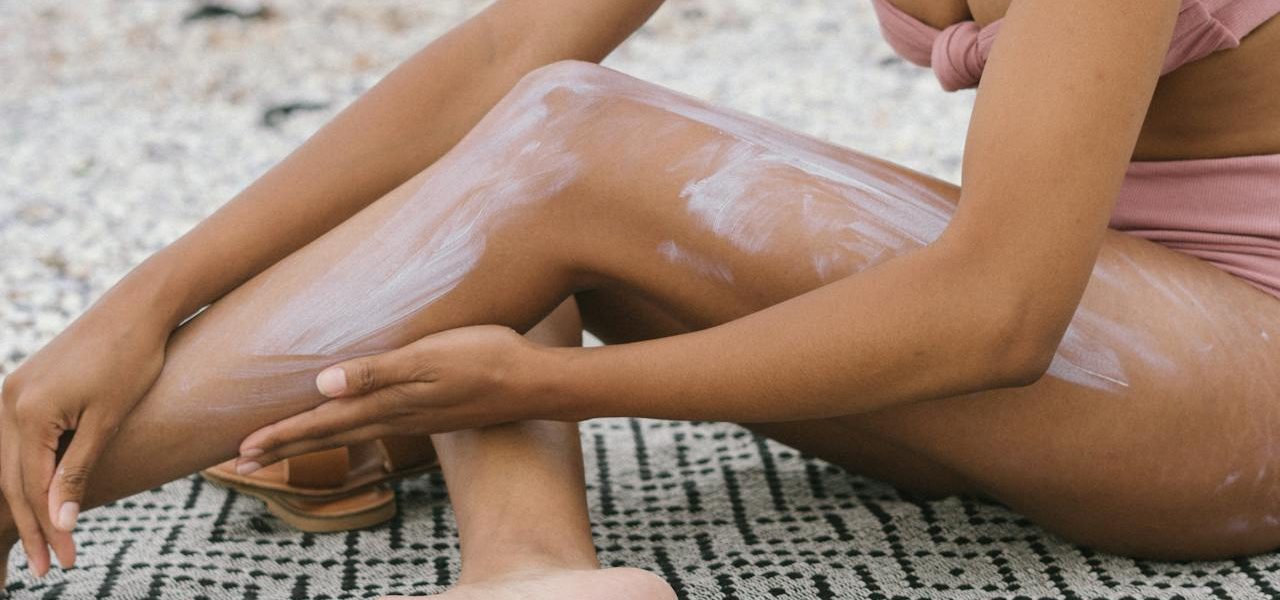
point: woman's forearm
(399, 127)
(920, 326)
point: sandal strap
(323, 469)
(402, 452)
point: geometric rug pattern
(721, 513)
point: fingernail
(67, 515)
(332, 381)
(250, 453)
(247, 468)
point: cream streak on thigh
(753, 196)
(707, 267)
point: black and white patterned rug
(717, 511)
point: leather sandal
(333, 490)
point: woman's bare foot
(563, 584)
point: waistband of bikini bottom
(1235, 195)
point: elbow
(1016, 322)
(1028, 366)
(1019, 310)
(1023, 345)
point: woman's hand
(84, 381)
(456, 379)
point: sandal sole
(379, 510)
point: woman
(995, 339)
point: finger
(64, 548)
(71, 479)
(347, 437)
(33, 542)
(37, 454)
(327, 420)
(361, 376)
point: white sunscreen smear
(703, 265)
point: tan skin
(897, 379)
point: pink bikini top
(959, 53)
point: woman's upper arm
(583, 29)
(1058, 112)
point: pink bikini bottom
(1223, 210)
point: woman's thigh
(1154, 433)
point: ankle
(515, 560)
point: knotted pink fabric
(958, 54)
